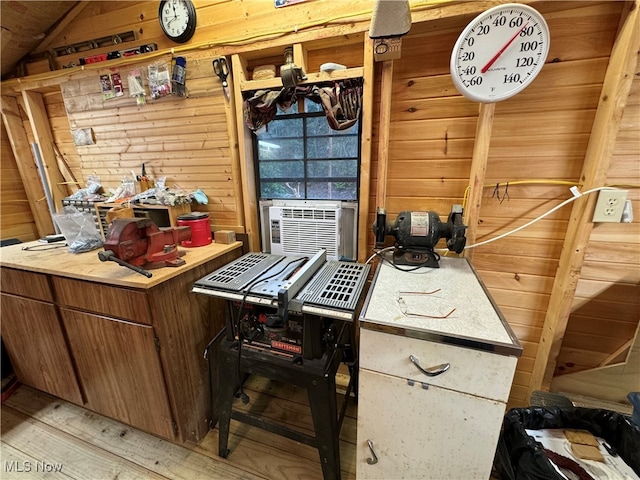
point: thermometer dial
(500, 52)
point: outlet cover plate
(610, 205)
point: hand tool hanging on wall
(291, 74)
(221, 69)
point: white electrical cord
(378, 253)
(576, 195)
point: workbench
(437, 359)
(111, 340)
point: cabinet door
(120, 370)
(431, 433)
(35, 342)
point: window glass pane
(332, 168)
(271, 170)
(331, 190)
(281, 149)
(332, 147)
(293, 109)
(290, 127)
(281, 190)
(319, 126)
(300, 156)
(311, 106)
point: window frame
(306, 179)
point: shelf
(317, 77)
(161, 215)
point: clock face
(177, 19)
(499, 53)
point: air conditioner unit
(302, 227)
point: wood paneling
(606, 309)
(26, 197)
(15, 216)
(184, 140)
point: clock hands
(497, 55)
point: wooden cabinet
(116, 342)
(120, 370)
(31, 330)
(418, 424)
(445, 422)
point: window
(298, 156)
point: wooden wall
(539, 142)
(184, 140)
(606, 307)
(16, 220)
(541, 135)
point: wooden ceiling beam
(60, 27)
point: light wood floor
(37, 427)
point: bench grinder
(417, 233)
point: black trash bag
(520, 457)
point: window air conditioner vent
(305, 227)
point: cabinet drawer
(26, 284)
(103, 299)
(475, 372)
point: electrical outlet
(610, 205)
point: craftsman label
(287, 347)
(419, 224)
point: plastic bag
(79, 229)
(519, 456)
(159, 80)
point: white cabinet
(439, 426)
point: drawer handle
(430, 372)
(374, 459)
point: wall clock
(499, 52)
(177, 19)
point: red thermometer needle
(497, 55)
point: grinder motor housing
(417, 233)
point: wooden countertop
(87, 266)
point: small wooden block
(224, 236)
(587, 452)
(581, 436)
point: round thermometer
(500, 52)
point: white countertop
(401, 300)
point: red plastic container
(200, 228)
